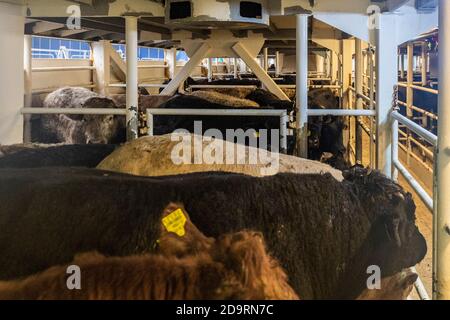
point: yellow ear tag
(175, 222)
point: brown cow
(189, 266)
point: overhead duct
(217, 14)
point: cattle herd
(140, 225)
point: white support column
(266, 80)
(358, 98)
(235, 68)
(334, 66)
(182, 75)
(402, 66)
(12, 79)
(302, 85)
(424, 64)
(347, 67)
(409, 97)
(372, 105)
(441, 216)
(101, 56)
(28, 101)
(386, 61)
(277, 64)
(410, 79)
(210, 69)
(171, 60)
(266, 59)
(131, 30)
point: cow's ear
(178, 235)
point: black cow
(168, 124)
(325, 233)
(84, 155)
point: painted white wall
(289, 65)
(12, 75)
(57, 79)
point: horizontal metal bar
(50, 69)
(434, 91)
(415, 156)
(205, 86)
(142, 85)
(420, 88)
(327, 86)
(418, 143)
(151, 66)
(218, 112)
(362, 96)
(92, 111)
(366, 129)
(313, 86)
(414, 184)
(341, 112)
(424, 133)
(423, 111)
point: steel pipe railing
(341, 112)
(397, 166)
(424, 133)
(420, 110)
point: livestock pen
(350, 51)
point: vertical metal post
(132, 77)
(424, 69)
(394, 149)
(387, 77)
(266, 59)
(235, 68)
(402, 66)
(277, 64)
(358, 98)
(284, 119)
(371, 104)
(302, 85)
(27, 61)
(424, 64)
(441, 282)
(409, 98)
(210, 69)
(171, 56)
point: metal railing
(397, 166)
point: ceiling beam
(42, 27)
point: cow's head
(325, 98)
(100, 128)
(390, 238)
(314, 132)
